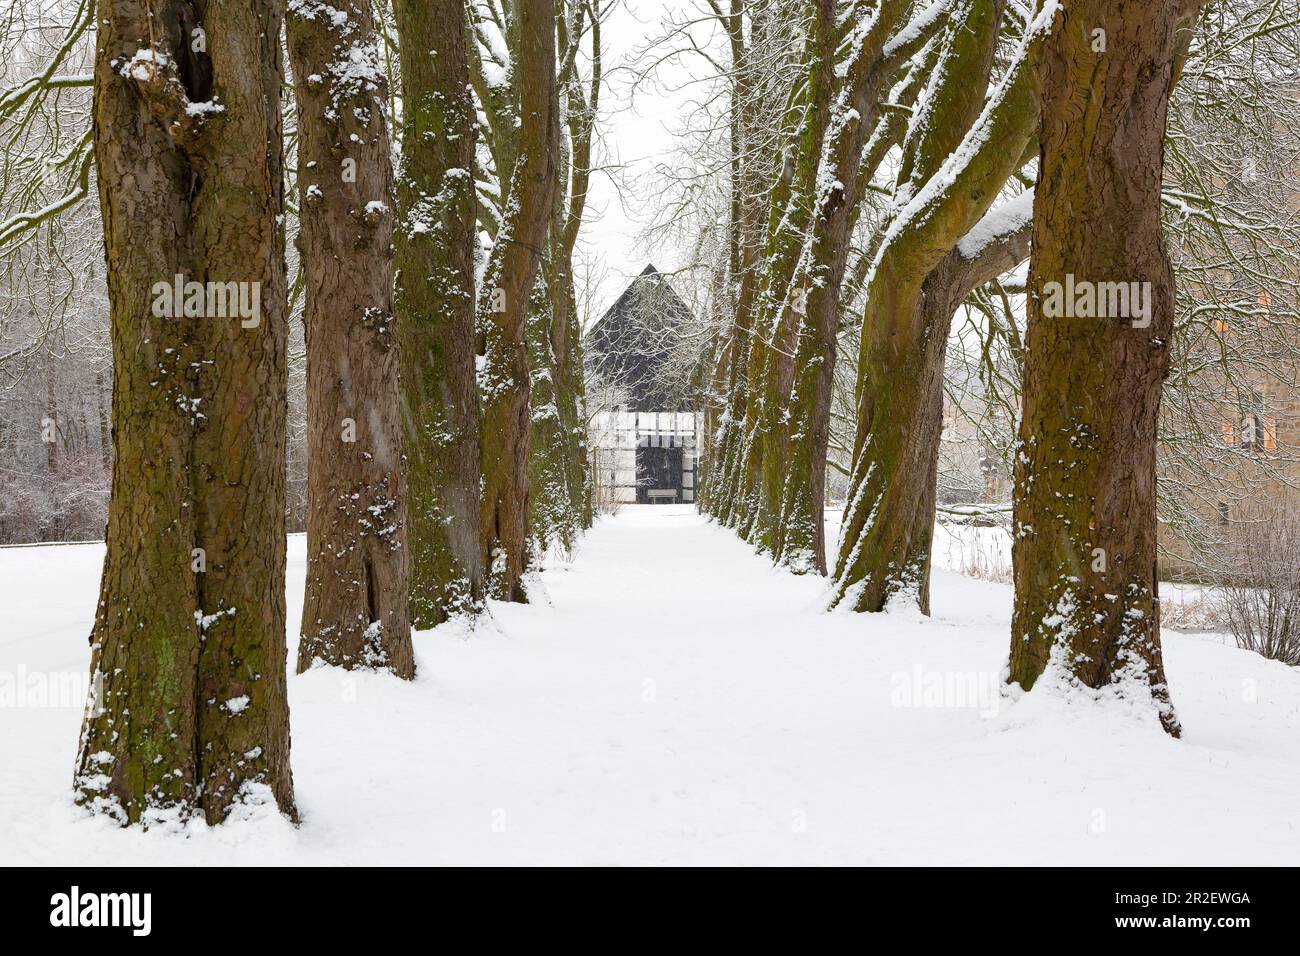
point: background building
(644, 431)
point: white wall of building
(615, 437)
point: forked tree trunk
(910, 414)
(355, 612)
(503, 309)
(958, 159)
(188, 711)
(436, 241)
(1087, 608)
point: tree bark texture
(436, 242)
(1087, 607)
(915, 286)
(355, 612)
(188, 712)
(794, 465)
(503, 310)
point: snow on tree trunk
(559, 501)
(751, 155)
(552, 521)
(581, 109)
(772, 306)
(355, 611)
(436, 243)
(503, 309)
(960, 151)
(1087, 611)
(188, 712)
(557, 513)
(793, 490)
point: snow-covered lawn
(674, 699)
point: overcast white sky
(634, 132)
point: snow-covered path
(671, 698)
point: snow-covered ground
(674, 699)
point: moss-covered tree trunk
(750, 149)
(1087, 608)
(555, 485)
(580, 113)
(435, 246)
(355, 611)
(774, 306)
(573, 396)
(551, 521)
(795, 462)
(503, 309)
(783, 303)
(188, 711)
(959, 154)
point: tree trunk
(956, 161)
(552, 520)
(1087, 605)
(776, 305)
(749, 207)
(560, 501)
(503, 309)
(56, 429)
(800, 538)
(573, 399)
(188, 710)
(436, 241)
(581, 114)
(794, 486)
(910, 414)
(355, 612)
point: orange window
(1221, 326)
(1270, 433)
(1229, 431)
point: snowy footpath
(670, 698)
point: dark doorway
(658, 469)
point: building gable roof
(632, 346)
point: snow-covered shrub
(1190, 611)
